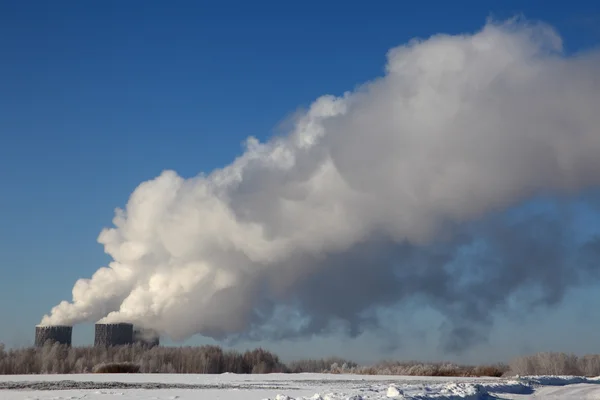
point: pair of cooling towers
(107, 335)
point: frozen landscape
(447, 207)
(290, 386)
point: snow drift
(359, 205)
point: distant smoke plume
(373, 198)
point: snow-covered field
(289, 386)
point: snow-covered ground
(289, 386)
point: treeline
(415, 368)
(60, 359)
(549, 363)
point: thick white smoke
(459, 127)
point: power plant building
(53, 334)
(108, 335)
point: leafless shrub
(589, 365)
(331, 365)
(496, 371)
(117, 368)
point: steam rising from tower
(146, 337)
(363, 203)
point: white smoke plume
(459, 127)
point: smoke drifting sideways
(373, 198)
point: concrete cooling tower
(146, 337)
(108, 335)
(53, 334)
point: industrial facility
(106, 335)
(53, 334)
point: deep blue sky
(96, 97)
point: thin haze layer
(458, 127)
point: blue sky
(96, 97)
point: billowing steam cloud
(373, 198)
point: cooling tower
(108, 335)
(53, 334)
(146, 337)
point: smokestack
(108, 335)
(146, 337)
(53, 334)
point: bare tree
(553, 363)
